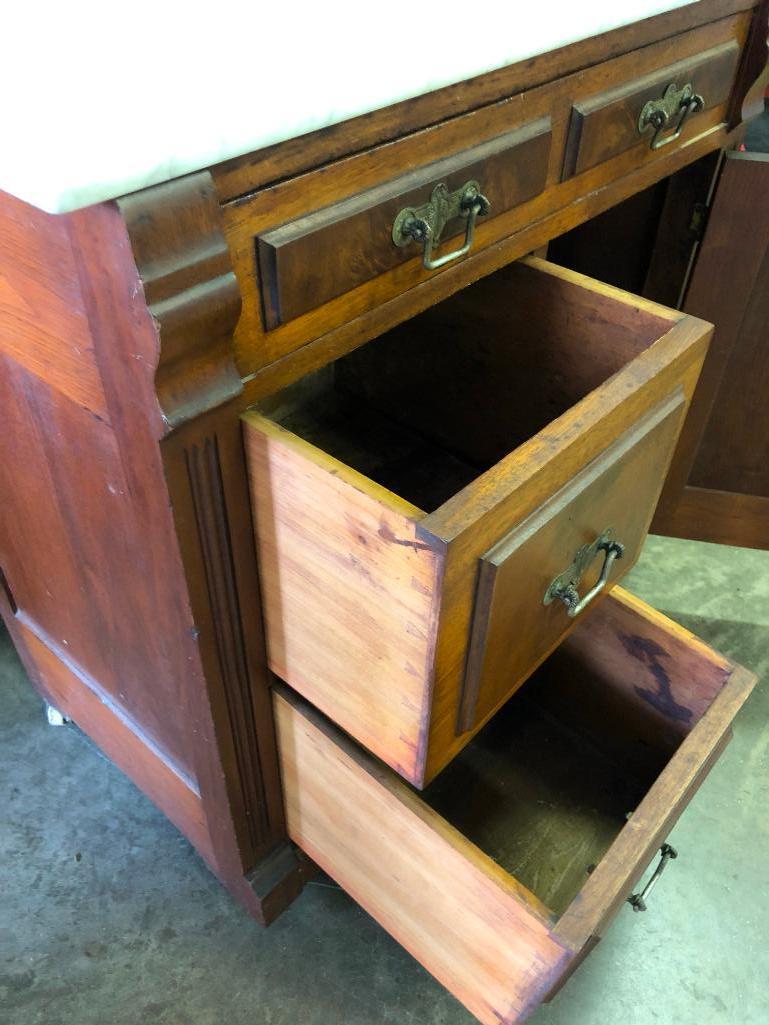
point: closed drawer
(415, 501)
(504, 874)
(323, 254)
(655, 111)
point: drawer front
(321, 242)
(609, 123)
(317, 257)
(475, 926)
(519, 613)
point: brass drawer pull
(660, 114)
(564, 586)
(425, 224)
(637, 901)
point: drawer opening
(547, 786)
(427, 408)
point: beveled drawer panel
(509, 868)
(379, 485)
(606, 124)
(306, 262)
(316, 263)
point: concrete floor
(109, 918)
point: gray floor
(107, 915)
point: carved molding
(209, 502)
(184, 264)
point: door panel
(721, 472)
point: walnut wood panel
(362, 310)
(350, 594)
(510, 627)
(308, 261)
(44, 325)
(236, 177)
(607, 124)
(725, 438)
(474, 925)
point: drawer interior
(550, 782)
(540, 794)
(427, 408)
(501, 874)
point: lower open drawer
(502, 874)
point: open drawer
(433, 511)
(506, 871)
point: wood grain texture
(470, 925)
(511, 628)
(476, 927)
(607, 887)
(236, 177)
(91, 557)
(521, 482)
(356, 580)
(44, 324)
(629, 664)
(319, 256)
(190, 290)
(362, 309)
(192, 299)
(607, 124)
(350, 595)
(721, 517)
(725, 435)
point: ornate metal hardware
(637, 901)
(425, 224)
(660, 114)
(564, 586)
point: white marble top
(101, 99)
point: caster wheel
(55, 717)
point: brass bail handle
(637, 901)
(565, 586)
(425, 224)
(674, 106)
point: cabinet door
(718, 486)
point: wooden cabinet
(414, 502)
(235, 401)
